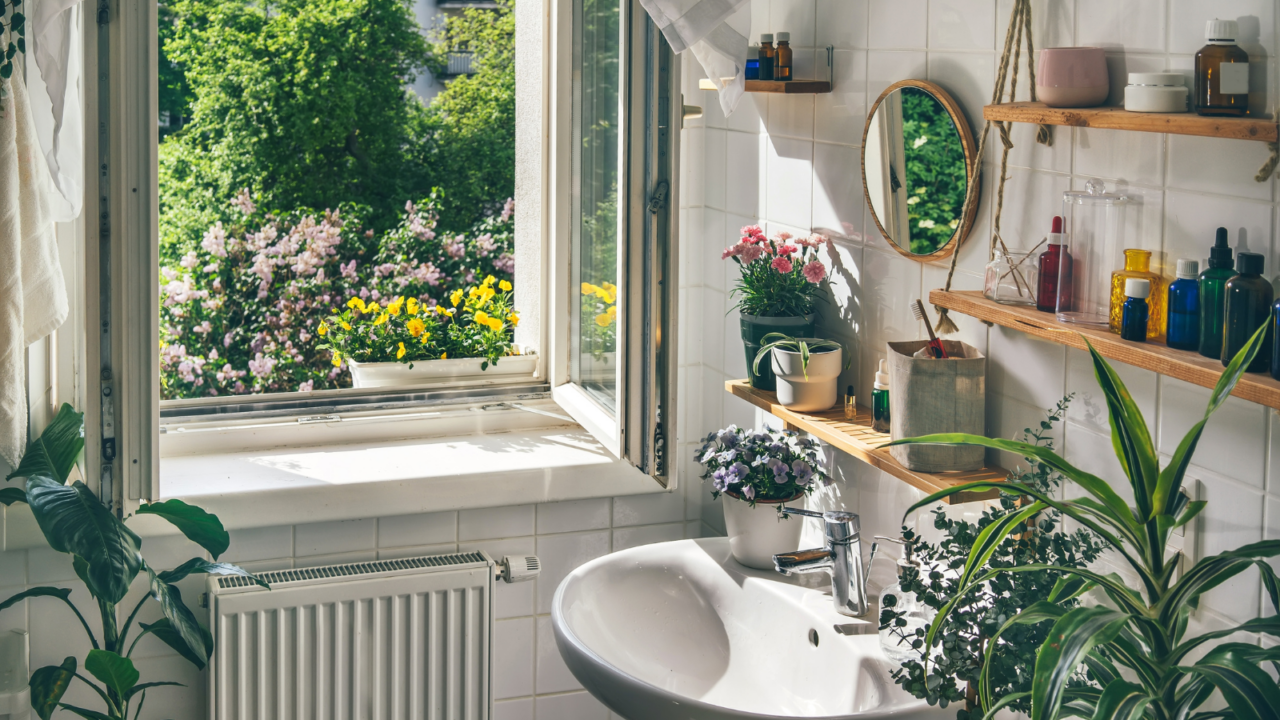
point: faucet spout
(841, 557)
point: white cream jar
(1156, 93)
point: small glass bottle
(1055, 271)
(1184, 307)
(782, 65)
(1135, 314)
(752, 71)
(897, 638)
(880, 400)
(1213, 297)
(1011, 278)
(1249, 299)
(850, 404)
(1137, 264)
(1222, 72)
(767, 56)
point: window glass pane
(593, 355)
(335, 191)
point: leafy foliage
(106, 555)
(968, 636)
(1143, 631)
(14, 24)
(937, 174)
(761, 464)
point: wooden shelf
(1115, 118)
(1184, 365)
(856, 438)
(788, 87)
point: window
(603, 347)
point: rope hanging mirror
(1018, 34)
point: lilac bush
(240, 313)
(757, 465)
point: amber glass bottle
(782, 66)
(1222, 72)
(1137, 264)
(767, 56)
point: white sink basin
(679, 631)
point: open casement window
(614, 143)
(606, 336)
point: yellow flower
(489, 280)
(612, 312)
(412, 306)
(381, 319)
(504, 286)
(444, 356)
(481, 317)
(495, 324)
(323, 329)
(513, 319)
(394, 308)
(400, 353)
(345, 325)
(588, 288)
(603, 319)
(356, 302)
(440, 310)
(372, 308)
(610, 288)
(415, 327)
(486, 294)
(337, 359)
(455, 297)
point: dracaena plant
(1135, 647)
(107, 556)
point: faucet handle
(830, 516)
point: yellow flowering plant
(599, 318)
(475, 322)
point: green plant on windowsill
(966, 637)
(1135, 649)
(107, 556)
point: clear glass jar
(1012, 278)
(1095, 240)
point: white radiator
(403, 639)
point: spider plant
(804, 346)
(1136, 646)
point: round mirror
(917, 154)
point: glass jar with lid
(1094, 226)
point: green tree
(937, 176)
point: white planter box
(390, 374)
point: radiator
(403, 639)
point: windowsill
(287, 486)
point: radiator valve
(514, 569)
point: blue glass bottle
(752, 71)
(1133, 315)
(1184, 307)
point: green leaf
(1073, 636)
(1069, 588)
(75, 521)
(991, 537)
(1263, 625)
(48, 684)
(1211, 572)
(114, 671)
(164, 631)
(1248, 689)
(200, 527)
(11, 495)
(1036, 612)
(60, 593)
(54, 453)
(85, 713)
(1122, 700)
(200, 565)
(182, 623)
(1129, 433)
(147, 686)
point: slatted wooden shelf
(1116, 118)
(856, 438)
(1184, 365)
(788, 87)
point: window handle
(659, 198)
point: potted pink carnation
(777, 291)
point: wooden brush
(935, 345)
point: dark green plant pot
(755, 327)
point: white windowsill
(287, 486)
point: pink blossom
(785, 236)
(731, 251)
(261, 365)
(190, 260)
(215, 241)
(508, 210)
(752, 232)
(506, 263)
(782, 264)
(486, 244)
(306, 386)
(244, 202)
(455, 248)
(750, 254)
(349, 270)
(814, 272)
(788, 250)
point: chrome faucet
(842, 557)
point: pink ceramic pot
(1073, 77)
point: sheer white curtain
(716, 31)
(56, 36)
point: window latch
(659, 198)
(312, 419)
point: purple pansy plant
(760, 465)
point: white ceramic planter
(389, 374)
(813, 393)
(758, 533)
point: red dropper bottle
(1054, 293)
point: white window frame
(122, 393)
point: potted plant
(760, 470)
(107, 556)
(777, 289)
(806, 370)
(1136, 647)
(409, 342)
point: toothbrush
(935, 345)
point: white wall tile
(1134, 26)
(648, 509)
(1023, 369)
(1232, 518)
(551, 674)
(789, 183)
(1216, 165)
(796, 17)
(1089, 408)
(421, 529)
(1118, 155)
(260, 544)
(521, 709)
(513, 642)
(842, 23)
(1236, 428)
(560, 555)
(838, 200)
(499, 522)
(962, 25)
(790, 116)
(327, 538)
(745, 167)
(570, 706)
(624, 538)
(1257, 19)
(898, 24)
(840, 115)
(573, 516)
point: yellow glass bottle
(1137, 264)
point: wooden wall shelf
(856, 438)
(1115, 118)
(1184, 365)
(790, 87)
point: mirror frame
(970, 156)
